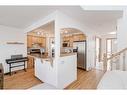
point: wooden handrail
(105, 59)
(116, 54)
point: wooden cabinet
(29, 41)
(43, 42)
(66, 39)
(35, 39)
(30, 63)
(82, 37)
(71, 39)
(79, 37)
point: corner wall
(122, 31)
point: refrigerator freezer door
(81, 55)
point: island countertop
(67, 54)
(45, 57)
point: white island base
(60, 74)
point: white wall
(122, 36)
(122, 31)
(8, 34)
(65, 21)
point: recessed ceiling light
(39, 33)
(66, 31)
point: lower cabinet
(30, 63)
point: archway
(74, 41)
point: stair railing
(117, 61)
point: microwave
(65, 44)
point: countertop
(45, 57)
(67, 54)
(37, 55)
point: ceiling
(45, 30)
(70, 31)
(48, 30)
(23, 16)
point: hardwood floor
(21, 80)
(87, 80)
(25, 80)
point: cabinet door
(66, 39)
(79, 37)
(43, 42)
(29, 41)
(34, 39)
(30, 63)
(71, 41)
(82, 37)
(76, 38)
(38, 40)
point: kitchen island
(60, 73)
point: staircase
(117, 61)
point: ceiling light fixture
(66, 31)
(39, 33)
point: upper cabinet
(29, 41)
(74, 38)
(36, 40)
(79, 37)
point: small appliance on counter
(65, 44)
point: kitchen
(40, 43)
(74, 41)
(41, 49)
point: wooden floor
(87, 80)
(21, 80)
(25, 80)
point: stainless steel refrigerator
(81, 53)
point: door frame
(107, 44)
(100, 52)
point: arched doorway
(74, 41)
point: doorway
(74, 41)
(111, 46)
